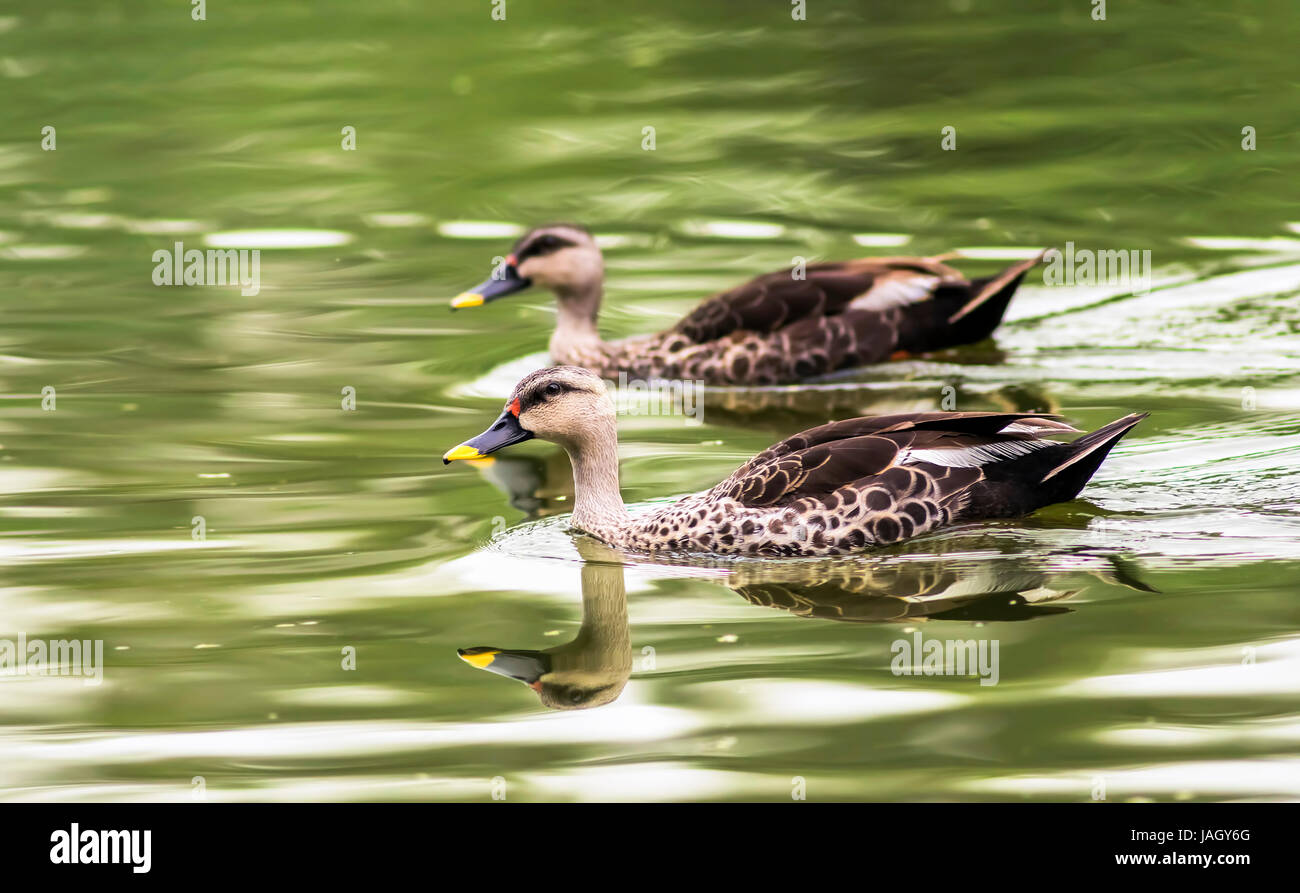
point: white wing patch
(974, 456)
(896, 291)
(1039, 426)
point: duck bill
(527, 667)
(505, 280)
(504, 431)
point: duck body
(861, 483)
(831, 490)
(778, 328)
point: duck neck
(603, 643)
(575, 324)
(598, 506)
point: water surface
(1147, 632)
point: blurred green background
(1172, 675)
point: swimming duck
(837, 488)
(778, 328)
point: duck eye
(552, 389)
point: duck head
(562, 257)
(563, 404)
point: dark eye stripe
(542, 245)
(539, 395)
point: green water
(1147, 633)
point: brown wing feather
(816, 471)
(970, 422)
(816, 462)
(773, 300)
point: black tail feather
(1086, 454)
(961, 314)
(1045, 476)
(996, 289)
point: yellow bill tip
(464, 451)
(480, 659)
(466, 299)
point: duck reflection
(984, 593)
(594, 667)
(538, 486)
(921, 584)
